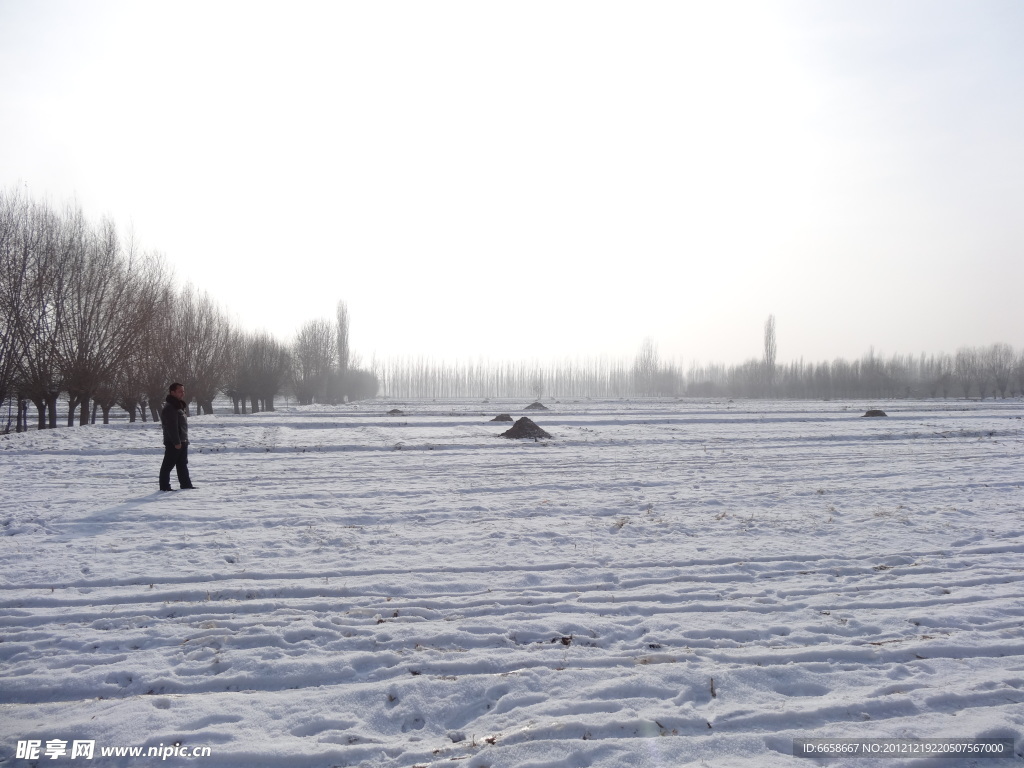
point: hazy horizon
(548, 182)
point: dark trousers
(177, 458)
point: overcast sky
(539, 180)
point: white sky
(548, 179)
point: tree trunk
(40, 411)
(254, 404)
(83, 418)
(95, 406)
(129, 405)
(51, 409)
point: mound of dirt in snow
(525, 428)
(538, 406)
(502, 417)
(875, 413)
(396, 412)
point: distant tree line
(981, 372)
(88, 318)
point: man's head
(178, 390)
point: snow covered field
(662, 584)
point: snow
(663, 583)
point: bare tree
(156, 350)
(941, 374)
(141, 379)
(537, 384)
(344, 353)
(35, 290)
(965, 369)
(770, 350)
(313, 352)
(645, 368)
(198, 342)
(998, 363)
(106, 303)
(11, 213)
(236, 377)
(267, 363)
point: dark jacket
(174, 418)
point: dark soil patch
(876, 413)
(396, 412)
(524, 428)
(538, 406)
(502, 417)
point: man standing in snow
(174, 419)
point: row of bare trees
(995, 370)
(90, 319)
(72, 300)
(973, 372)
